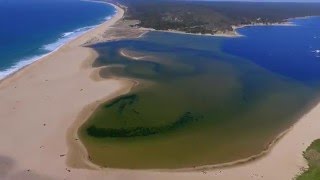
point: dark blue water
(30, 29)
(291, 51)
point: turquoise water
(33, 28)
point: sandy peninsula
(42, 105)
(226, 34)
(42, 101)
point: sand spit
(39, 115)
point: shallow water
(195, 105)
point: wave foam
(22, 63)
(49, 48)
(66, 37)
(108, 18)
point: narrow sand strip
(40, 104)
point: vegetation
(124, 103)
(212, 17)
(312, 155)
(140, 131)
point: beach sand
(42, 105)
(39, 103)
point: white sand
(40, 103)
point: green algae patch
(140, 131)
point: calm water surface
(203, 100)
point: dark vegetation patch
(212, 17)
(123, 102)
(97, 132)
(312, 155)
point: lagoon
(202, 100)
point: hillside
(212, 17)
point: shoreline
(231, 164)
(102, 91)
(28, 60)
(77, 156)
(230, 34)
(202, 168)
(38, 86)
(234, 33)
(73, 40)
(226, 165)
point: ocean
(31, 29)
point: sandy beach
(42, 105)
(42, 101)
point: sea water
(30, 29)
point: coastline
(51, 47)
(230, 34)
(218, 167)
(96, 30)
(48, 83)
(95, 93)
